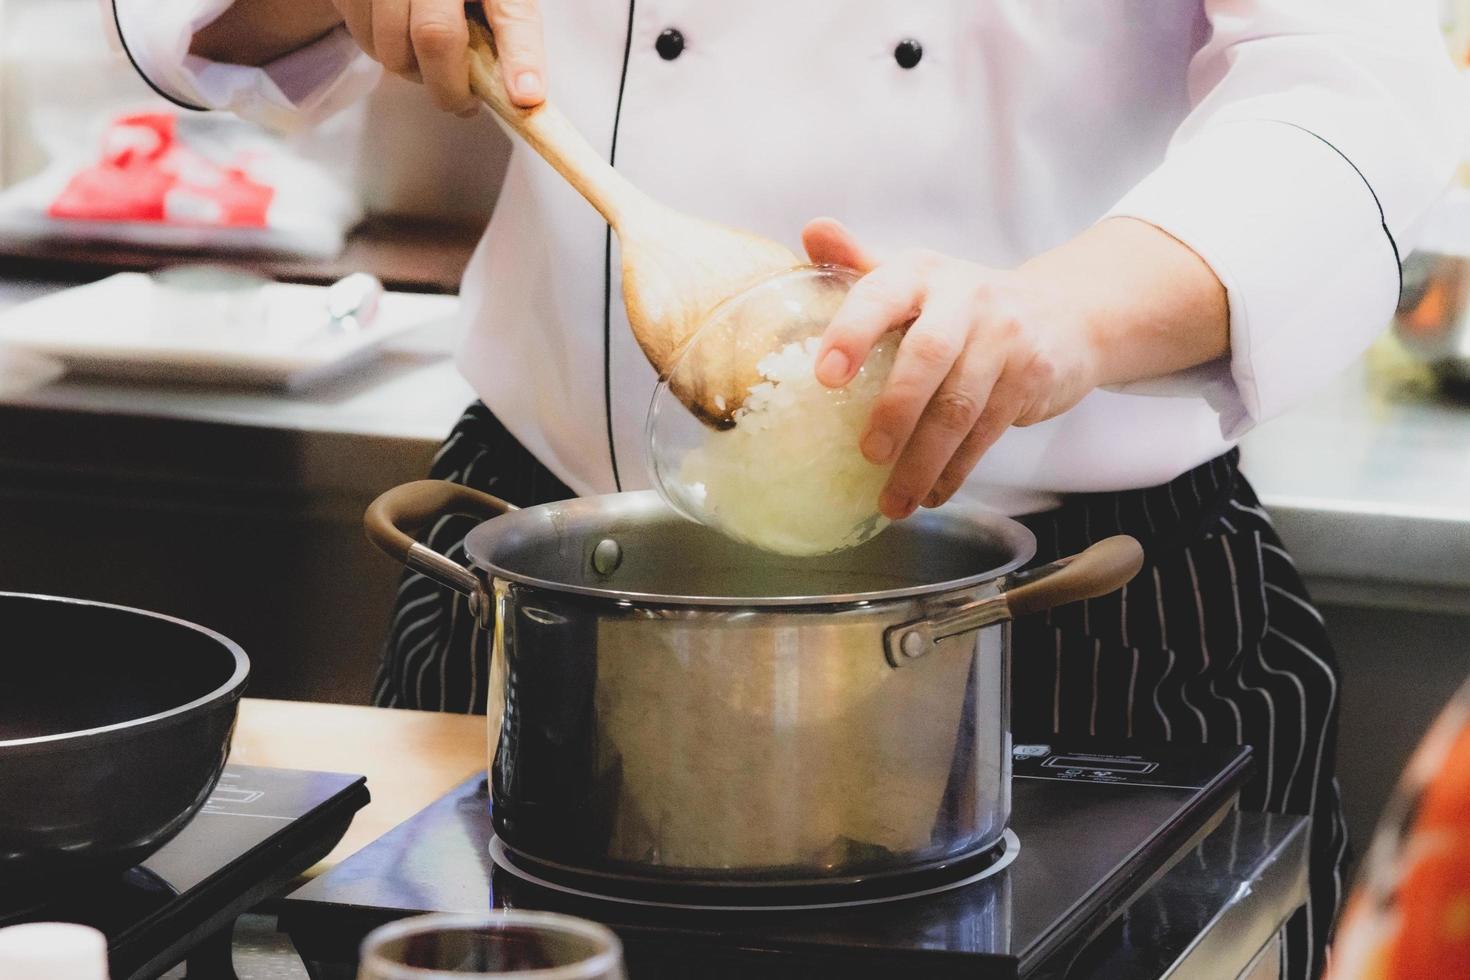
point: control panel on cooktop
(1163, 766)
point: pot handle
(1105, 567)
(398, 514)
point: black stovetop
(260, 829)
(1095, 829)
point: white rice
(789, 477)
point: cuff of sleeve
(157, 45)
(1296, 235)
(301, 87)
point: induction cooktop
(260, 829)
(1097, 826)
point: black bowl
(114, 728)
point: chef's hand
(986, 349)
(424, 40)
(427, 40)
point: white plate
(279, 336)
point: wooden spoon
(676, 269)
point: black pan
(114, 727)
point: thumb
(828, 242)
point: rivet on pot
(913, 645)
(606, 557)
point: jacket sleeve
(302, 87)
(1321, 133)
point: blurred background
(235, 499)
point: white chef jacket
(1293, 144)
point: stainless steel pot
(669, 705)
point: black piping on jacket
(612, 158)
(123, 40)
(1398, 259)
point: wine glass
(505, 945)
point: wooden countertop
(410, 758)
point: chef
(1123, 233)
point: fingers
(828, 242)
(358, 16)
(1000, 413)
(945, 424)
(424, 40)
(976, 358)
(440, 43)
(516, 25)
(391, 46)
(938, 387)
(885, 299)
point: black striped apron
(436, 660)
(1215, 640)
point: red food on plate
(145, 173)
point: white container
(54, 950)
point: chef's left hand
(985, 349)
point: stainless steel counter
(1369, 483)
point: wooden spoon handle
(551, 135)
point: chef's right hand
(428, 41)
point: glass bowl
(787, 476)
